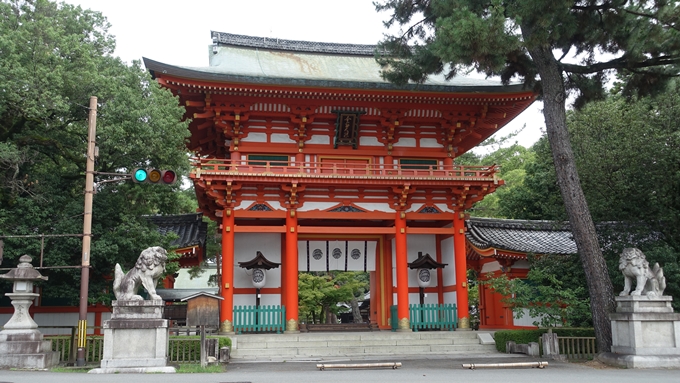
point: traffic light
(154, 176)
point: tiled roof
(179, 294)
(190, 228)
(522, 236)
(270, 61)
(222, 38)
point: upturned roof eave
(207, 74)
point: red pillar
(460, 258)
(291, 261)
(227, 288)
(402, 272)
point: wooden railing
(188, 349)
(181, 349)
(321, 169)
(429, 316)
(575, 348)
(259, 319)
(65, 346)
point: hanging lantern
(259, 278)
(424, 278)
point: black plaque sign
(347, 128)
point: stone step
(306, 345)
(372, 336)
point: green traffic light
(140, 175)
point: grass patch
(195, 368)
(73, 369)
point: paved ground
(414, 369)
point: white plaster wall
(369, 141)
(415, 207)
(255, 137)
(319, 139)
(246, 246)
(443, 207)
(281, 138)
(405, 142)
(45, 320)
(382, 207)
(249, 300)
(525, 320)
(490, 267)
(184, 281)
(450, 297)
(449, 272)
(309, 206)
(424, 243)
(430, 143)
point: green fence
(428, 317)
(259, 319)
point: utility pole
(87, 232)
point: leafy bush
(526, 336)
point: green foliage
(53, 58)
(195, 368)
(319, 293)
(526, 336)
(544, 296)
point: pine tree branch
(621, 63)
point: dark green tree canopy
(53, 57)
(640, 39)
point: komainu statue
(634, 266)
(149, 268)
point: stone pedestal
(645, 333)
(135, 339)
(21, 344)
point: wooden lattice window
(262, 159)
(417, 163)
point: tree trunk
(599, 285)
(356, 313)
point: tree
(531, 39)
(320, 293)
(53, 57)
(626, 154)
(544, 296)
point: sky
(177, 32)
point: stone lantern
(21, 333)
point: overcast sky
(177, 32)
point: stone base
(645, 326)
(639, 361)
(134, 370)
(26, 349)
(135, 338)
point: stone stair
(358, 344)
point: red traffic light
(169, 177)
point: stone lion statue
(634, 266)
(149, 268)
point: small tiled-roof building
(190, 244)
(496, 246)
